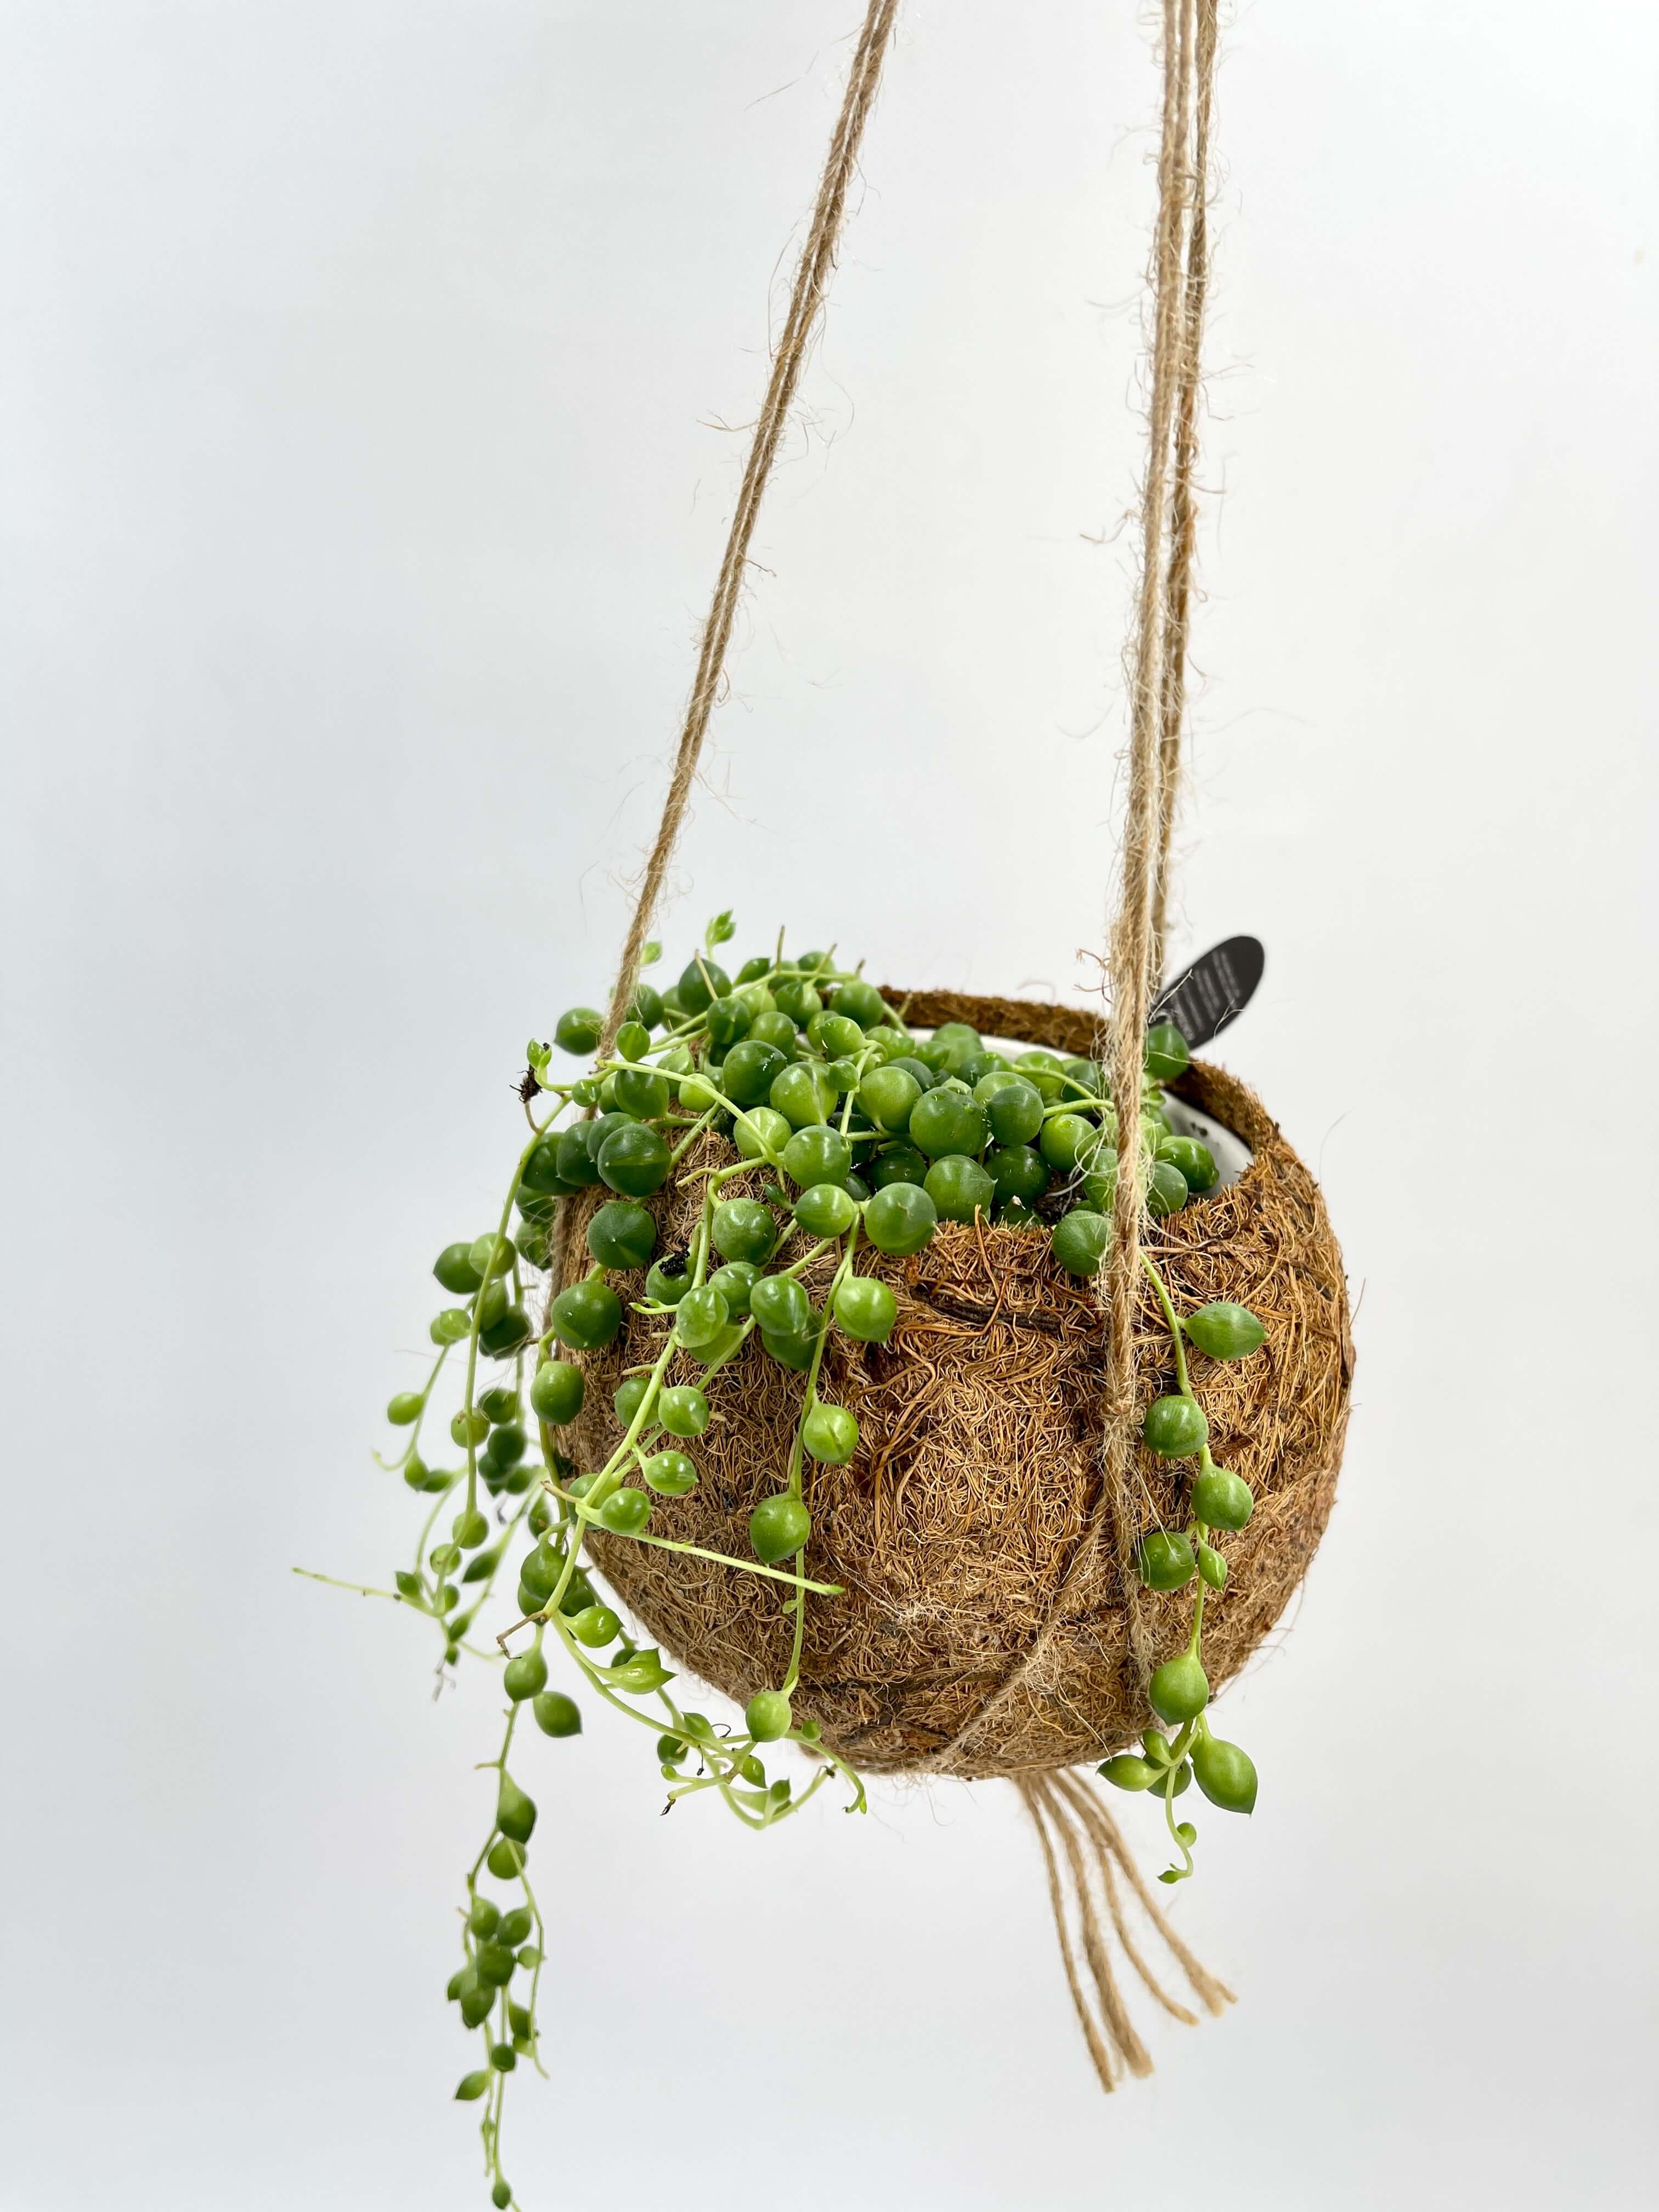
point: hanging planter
(985, 1623)
(906, 1365)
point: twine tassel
(1212, 1994)
(1083, 1852)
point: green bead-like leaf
(1180, 1689)
(1225, 1774)
(1164, 1559)
(1222, 1499)
(1224, 1330)
(1126, 1771)
(769, 1715)
(1175, 1426)
(515, 1811)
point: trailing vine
(1174, 1427)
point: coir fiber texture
(959, 1529)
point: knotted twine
(1062, 1808)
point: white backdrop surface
(368, 392)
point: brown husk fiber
(979, 1472)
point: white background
(364, 367)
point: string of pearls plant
(873, 1134)
(1174, 1427)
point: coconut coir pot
(961, 1530)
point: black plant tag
(1214, 991)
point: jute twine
(806, 299)
(1157, 692)
(1078, 1837)
(807, 294)
(1157, 660)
